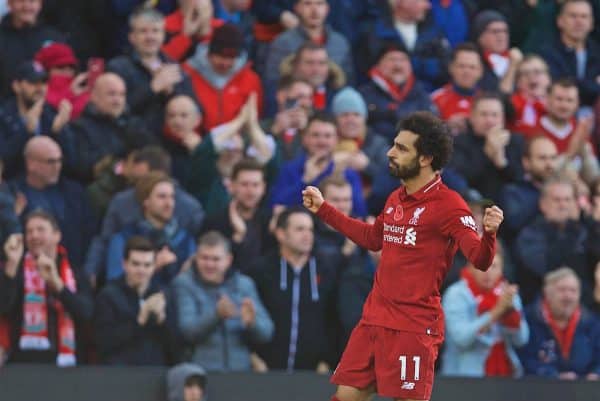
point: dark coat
(119, 338)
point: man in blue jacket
(319, 139)
(564, 339)
(156, 193)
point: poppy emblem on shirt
(399, 213)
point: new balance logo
(410, 238)
(389, 210)
(408, 386)
(469, 221)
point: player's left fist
(492, 218)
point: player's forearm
(363, 234)
(480, 252)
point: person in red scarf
(393, 91)
(490, 32)
(484, 324)
(454, 99)
(43, 297)
(564, 342)
(529, 100)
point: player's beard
(406, 172)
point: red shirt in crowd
(451, 102)
(419, 235)
(560, 136)
(527, 114)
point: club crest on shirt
(399, 213)
(416, 215)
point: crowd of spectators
(153, 153)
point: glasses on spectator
(50, 161)
(497, 31)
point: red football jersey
(419, 235)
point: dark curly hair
(434, 137)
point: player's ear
(425, 161)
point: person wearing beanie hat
(66, 88)
(393, 91)
(359, 147)
(222, 77)
(491, 33)
(186, 382)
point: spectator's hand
(166, 78)
(63, 116)
(348, 248)
(492, 219)
(506, 299)
(49, 272)
(341, 159)
(298, 117)
(237, 222)
(248, 313)
(277, 209)
(592, 377)
(191, 140)
(33, 114)
(580, 137)
(312, 199)
(283, 121)
(289, 20)
(314, 167)
(258, 364)
(158, 306)
(196, 19)
(165, 257)
(20, 203)
(495, 146)
(515, 55)
(13, 250)
(252, 109)
(226, 309)
(322, 368)
(79, 84)
(359, 161)
(567, 376)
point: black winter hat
(482, 20)
(227, 40)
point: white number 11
(416, 360)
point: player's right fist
(312, 199)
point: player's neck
(413, 185)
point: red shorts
(399, 363)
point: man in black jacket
(297, 288)
(43, 296)
(104, 131)
(130, 320)
(573, 54)
(21, 36)
(150, 76)
(243, 220)
(488, 155)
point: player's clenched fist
(312, 199)
(492, 218)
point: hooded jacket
(176, 377)
(222, 96)
(219, 345)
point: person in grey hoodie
(186, 382)
(218, 309)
